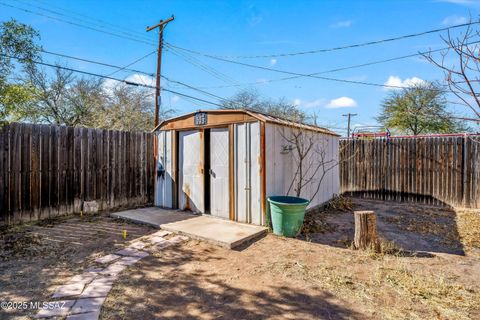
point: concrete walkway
(83, 296)
(225, 233)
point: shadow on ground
(176, 283)
(418, 229)
(35, 258)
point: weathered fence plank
(48, 170)
(433, 170)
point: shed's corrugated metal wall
(164, 185)
(281, 166)
(248, 207)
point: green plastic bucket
(287, 214)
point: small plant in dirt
(339, 203)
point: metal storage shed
(227, 162)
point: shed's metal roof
(258, 115)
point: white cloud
(342, 102)
(174, 99)
(109, 84)
(341, 24)
(396, 82)
(454, 19)
(273, 62)
(141, 79)
(309, 104)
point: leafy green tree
(417, 110)
(18, 47)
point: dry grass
(440, 296)
(415, 293)
(468, 224)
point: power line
(103, 63)
(132, 63)
(133, 70)
(357, 45)
(98, 22)
(296, 73)
(77, 24)
(111, 78)
(366, 64)
(226, 60)
(199, 64)
(193, 88)
(210, 94)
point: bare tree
(311, 159)
(463, 77)
(129, 108)
(63, 99)
(251, 99)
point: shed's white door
(219, 181)
(191, 175)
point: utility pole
(349, 115)
(161, 25)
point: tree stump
(366, 231)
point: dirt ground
(436, 276)
(35, 259)
(430, 268)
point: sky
(114, 32)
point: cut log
(366, 231)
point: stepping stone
(132, 253)
(178, 239)
(85, 277)
(87, 305)
(161, 233)
(94, 269)
(85, 316)
(114, 269)
(155, 240)
(138, 245)
(74, 286)
(163, 245)
(59, 309)
(107, 259)
(128, 261)
(97, 289)
(68, 290)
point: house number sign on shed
(200, 118)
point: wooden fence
(432, 170)
(48, 170)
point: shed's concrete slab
(221, 232)
(153, 216)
